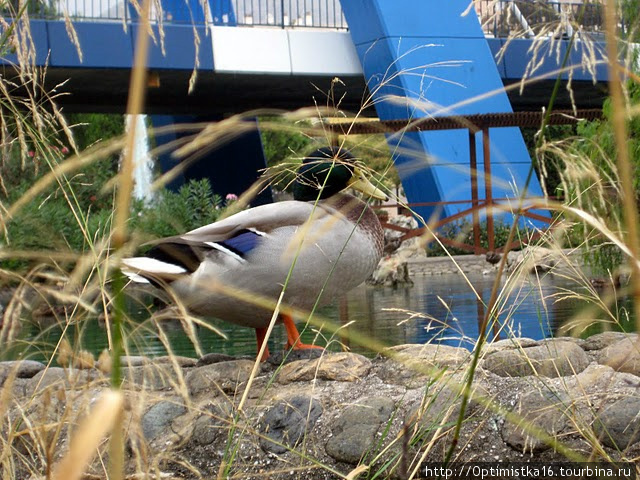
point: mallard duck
(320, 245)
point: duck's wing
(263, 218)
(232, 239)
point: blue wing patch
(243, 242)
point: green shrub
(590, 181)
(77, 209)
(193, 206)
(281, 141)
(48, 222)
(90, 128)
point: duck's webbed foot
(293, 336)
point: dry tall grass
(61, 446)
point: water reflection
(445, 309)
(441, 309)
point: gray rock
(544, 410)
(618, 426)
(553, 359)
(134, 360)
(213, 424)
(341, 367)
(160, 416)
(441, 402)
(623, 355)
(352, 444)
(287, 421)
(211, 358)
(69, 378)
(595, 385)
(591, 391)
(603, 340)
(184, 362)
(366, 425)
(19, 387)
(51, 376)
(22, 368)
(219, 377)
(440, 409)
(533, 259)
(599, 380)
(576, 340)
(510, 343)
(355, 429)
(392, 270)
(150, 376)
(283, 356)
(429, 354)
(411, 364)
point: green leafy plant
(588, 179)
(193, 206)
(281, 140)
(77, 208)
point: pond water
(441, 309)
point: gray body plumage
(330, 248)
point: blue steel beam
(100, 80)
(429, 58)
(513, 57)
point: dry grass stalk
(208, 136)
(137, 90)
(89, 436)
(625, 168)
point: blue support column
(430, 58)
(232, 167)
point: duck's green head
(330, 170)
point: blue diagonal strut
(430, 58)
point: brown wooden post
(473, 165)
(488, 195)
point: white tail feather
(134, 277)
(148, 265)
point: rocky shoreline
(408, 261)
(529, 259)
(532, 401)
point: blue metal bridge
(413, 58)
(290, 48)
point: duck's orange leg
(293, 336)
(261, 333)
